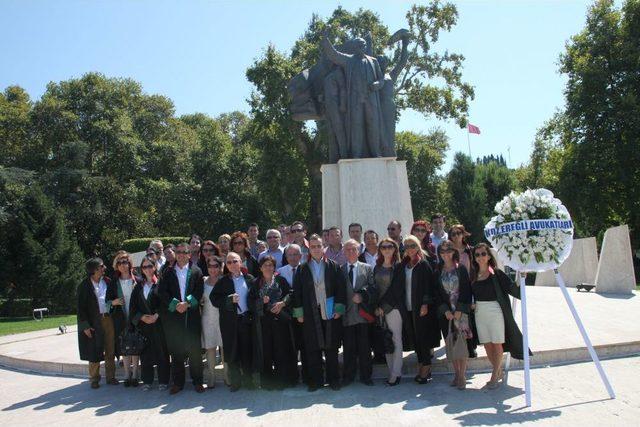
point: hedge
(141, 244)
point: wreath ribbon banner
(528, 225)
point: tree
(588, 153)
(431, 84)
(40, 260)
(468, 198)
(424, 155)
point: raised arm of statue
(402, 62)
(334, 56)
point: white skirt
(489, 322)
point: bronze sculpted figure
(351, 93)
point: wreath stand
(525, 336)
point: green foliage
(468, 197)
(589, 152)
(21, 325)
(424, 155)
(39, 259)
(142, 243)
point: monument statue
(349, 93)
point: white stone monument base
(580, 267)
(371, 192)
(615, 270)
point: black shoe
(95, 384)
(395, 383)
(335, 386)
(368, 382)
(347, 382)
(312, 388)
(473, 354)
(423, 380)
(127, 382)
(134, 382)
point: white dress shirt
(241, 288)
(370, 259)
(100, 289)
(287, 273)
(182, 279)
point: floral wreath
(531, 231)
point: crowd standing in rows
(276, 312)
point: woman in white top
(211, 336)
(118, 300)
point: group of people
(264, 309)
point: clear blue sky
(196, 53)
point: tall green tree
(468, 197)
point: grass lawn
(17, 325)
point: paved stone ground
(562, 395)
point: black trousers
(423, 353)
(195, 366)
(357, 351)
(279, 362)
(150, 357)
(298, 342)
(314, 364)
(241, 365)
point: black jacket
(182, 330)
(91, 349)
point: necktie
(351, 278)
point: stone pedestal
(371, 192)
(580, 267)
(615, 270)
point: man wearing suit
(360, 290)
(293, 254)
(180, 291)
(318, 303)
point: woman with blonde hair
(118, 301)
(420, 323)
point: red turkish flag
(473, 129)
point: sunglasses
(208, 250)
(297, 230)
(386, 246)
(183, 252)
(147, 267)
(238, 242)
(271, 237)
(122, 262)
(420, 230)
(455, 233)
(391, 229)
(233, 261)
(214, 266)
(411, 246)
(480, 254)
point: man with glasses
(273, 247)
(156, 250)
(96, 337)
(319, 294)
(294, 258)
(180, 290)
(230, 295)
(360, 289)
(298, 236)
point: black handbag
(132, 342)
(383, 337)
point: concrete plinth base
(580, 267)
(615, 270)
(371, 192)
